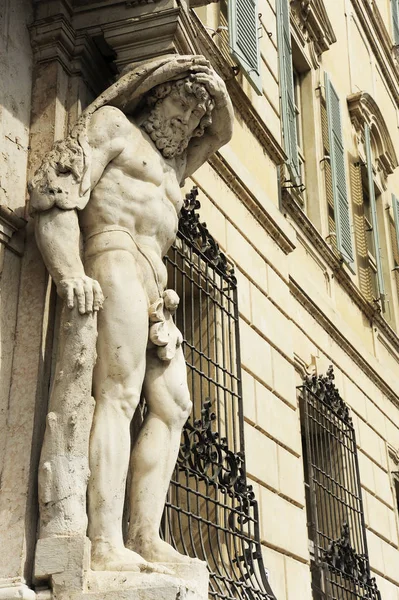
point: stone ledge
(11, 223)
(63, 564)
(15, 590)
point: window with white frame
(289, 95)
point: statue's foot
(158, 551)
(105, 557)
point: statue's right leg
(117, 383)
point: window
(395, 21)
(371, 207)
(243, 17)
(339, 557)
(367, 203)
(394, 228)
(299, 126)
(373, 291)
(289, 93)
(211, 513)
(336, 186)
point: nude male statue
(129, 221)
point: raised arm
(220, 131)
(57, 229)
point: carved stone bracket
(312, 20)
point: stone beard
(171, 136)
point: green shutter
(395, 204)
(288, 112)
(395, 20)
(338, 172)
(373, 207)
(244, 39)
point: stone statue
(115, 183)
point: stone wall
(299, 309)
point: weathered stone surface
(121, 169)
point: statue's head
(180, 110)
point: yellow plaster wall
(278, 332)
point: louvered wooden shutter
(244, 38)
(288, 112)
(373, 208)
(395, 204)
(338, 171)
(359, 223)
(395, 20)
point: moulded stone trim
(370, 309)
(241, 102)
(312, 19)
(55, 39)
(224, 170)
(10, 223)
(363, 109)
(319, 316)
(380, 43)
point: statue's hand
(212, 81)
(87, 291)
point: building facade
(303, 205)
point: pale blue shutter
(395, 204)
(373, 207)
(288, 111)
(395, 20)
(338, 173)
(244, 38)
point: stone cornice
(312, 18)
(331, 259)
(380, 43)
(315, 311)
(10, 224)
(257, 210)
(55, 39)
(241, 102)
(364, 109)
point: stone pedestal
(64, 564)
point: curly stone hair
(183, 88)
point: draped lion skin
(116, 182)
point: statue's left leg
(155, 453)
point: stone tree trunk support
(64, 462)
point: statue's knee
(182, 409)
(129, 399)
(187, 408)
(122, 398)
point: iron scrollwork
(209, 455)
(197, 234)
(206, 453)
(341, 556)
(211, 511)
(324, 388)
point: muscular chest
(144, 164)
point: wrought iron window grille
(340, 565)
(211, 512)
